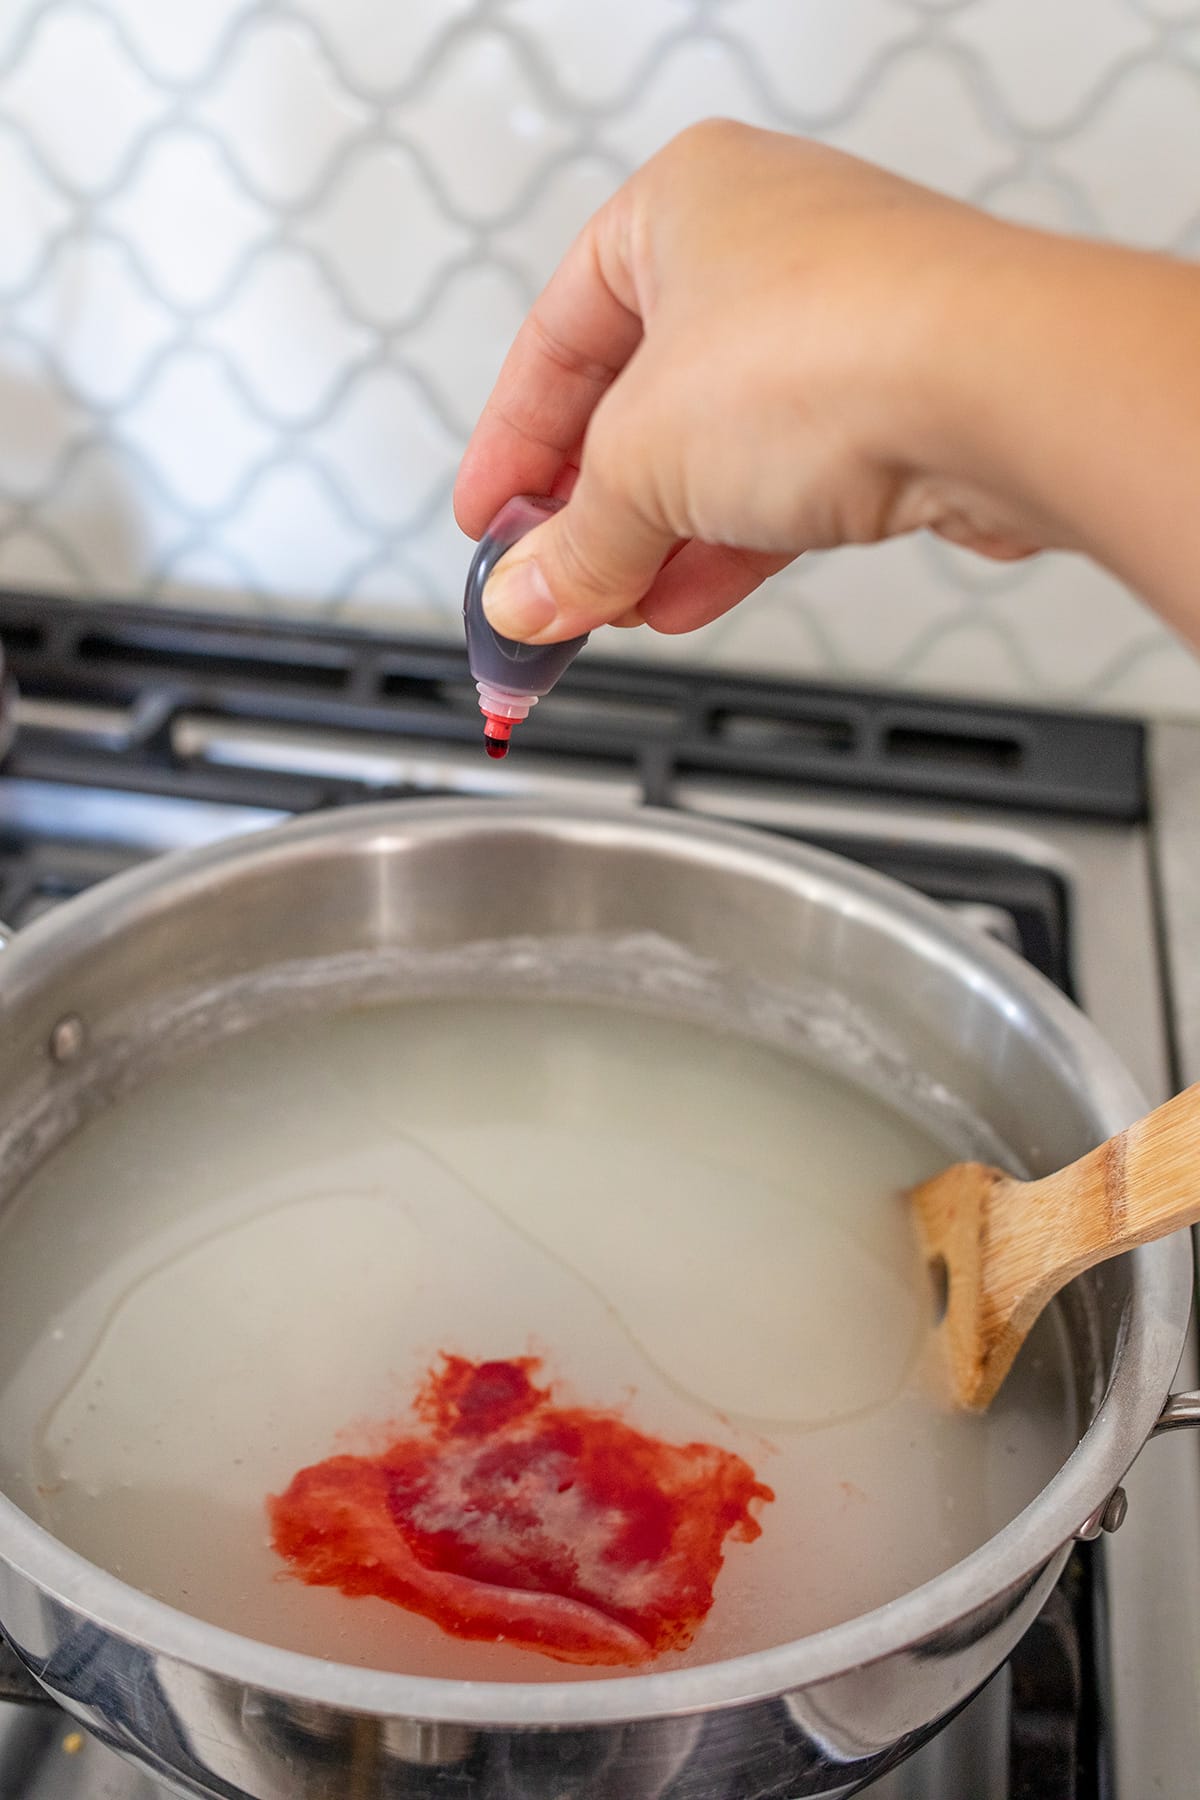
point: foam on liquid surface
(253, 1262)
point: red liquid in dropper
(559, 1529)
(496, 734)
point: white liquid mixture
(253, 1263)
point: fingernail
(517, 601)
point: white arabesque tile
(1159, 676)
(953, 566)
(972, 654)
(81, 100)
(594, 53)
(1138, 154)
(288, 335)
(193, 427)
(1171, 11)
(200, 573)
(1076, 623)
(34, 213)
(871, 603)
(96, 320)
(574, 189)
(462, 342)
(176, 43)
(767, 631)
(186, 218)
(208, 395)
(384, 240)
(17, 19)
(295, 539)
(281, 110)
(923, 120)
(382, 48)
(386, 448)
(1049, 62)
(103, 518)
(1051, 205)
(813, 57)
(1187, 46)
(482, 126)
(700, 79)
(30, 559)
(393, 581)
(40, 422)
(441, 554)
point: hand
(742, 357)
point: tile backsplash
(260, 262)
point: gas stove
(139, 732)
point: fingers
(696, 584)
(590, 563)
(703, 582)
(996, 546)
(618, 547)
(582, 331)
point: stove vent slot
(220, 663)
(833, 733)
(428, 690)
(930, 744)
(610, 713)
(22, 637)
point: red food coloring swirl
(560, 1529)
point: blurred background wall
(259, 263)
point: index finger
(580, 333)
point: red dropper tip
(496, 735)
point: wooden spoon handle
(1140, 1185)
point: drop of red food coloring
(497, 733)
(559, 1529)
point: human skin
(760, 346)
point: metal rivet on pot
(1108, 1517)
(1117, 1505)
(67, 1039)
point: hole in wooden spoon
(939, 1277)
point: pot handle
(1178, 1410)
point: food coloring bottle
(511, 677)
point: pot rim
(1155, 1324)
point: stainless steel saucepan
(219, 1715)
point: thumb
(589, 564)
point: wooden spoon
(1006, 1247)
